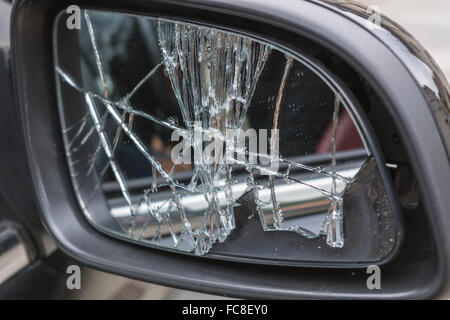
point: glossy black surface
(412, 54)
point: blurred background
(428, 21)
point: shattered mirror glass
(179, 135)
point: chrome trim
(13, 252)
(299, 201)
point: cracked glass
(177, 135)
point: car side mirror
(192, 143)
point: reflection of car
(95, 157)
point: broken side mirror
(163, 143)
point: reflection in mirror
(171, 127)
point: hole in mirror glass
(196, 139)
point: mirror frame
(361, 249)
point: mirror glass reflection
(178, 134)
